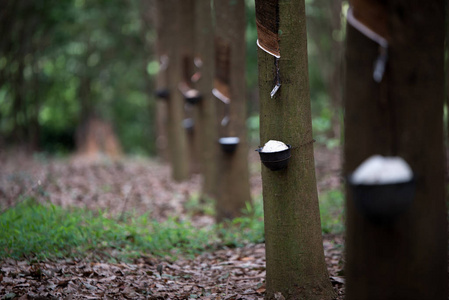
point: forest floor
(141, 185)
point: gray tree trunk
(186, 36)
(153, 17)
(177, 138)
(233, 177)
(401, 116)
(207, 119)
(294, 248)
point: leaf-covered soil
(225, 274)
(143, 186)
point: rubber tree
(170, 11)
(206, 116)
(186, 36)
(151, 16)
(294, 248)
(402, 115)
(446, 51)
(233, 174)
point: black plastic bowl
(192, 96)
(275, 161)
(162, 93)
(229, 144)
(188, 124)
(383, 203)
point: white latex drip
(382, 170)
(274, 146)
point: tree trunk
(162, 84)
(97, 138)
(233, 177)
(161, 129)
(86, 114)
(186, 36)
(446, 55)
(152, 18)
(294, 248)
(177, 138)
(34, 130)
(18, 105)
(207, 120)
(401, 116)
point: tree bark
(446, 55)
(295, 257)
(187, 39)
(233, 178)
(84, 144)
(34, 130)
(177, 138)
(161, 113)
(403, 116)
(207, 120)
(152, 18)
(18, 105)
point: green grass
(196, 205)
(39, 231)
(47, 231)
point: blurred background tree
(65, 62)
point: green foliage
(251, 45)
(321, 126)
(80, 57)
(332, 211)
(253, 127)
(246, 229)
(201, 206)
